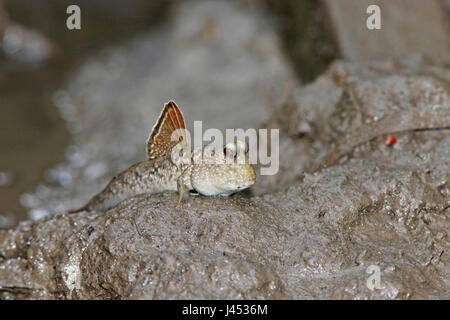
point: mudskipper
(169, 167)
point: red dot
(390, 140)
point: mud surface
(399, 33)
(343, 203)
(313, 236)
(220, 62)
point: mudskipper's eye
(230, 150)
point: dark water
(33, 136)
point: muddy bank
(221, 63)
(343, 201)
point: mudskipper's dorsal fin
(160, 141)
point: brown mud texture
(346, 217)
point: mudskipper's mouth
(245, 186)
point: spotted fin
(160, 141)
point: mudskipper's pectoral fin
(183, 187)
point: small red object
(390, 140)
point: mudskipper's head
(224, 173)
